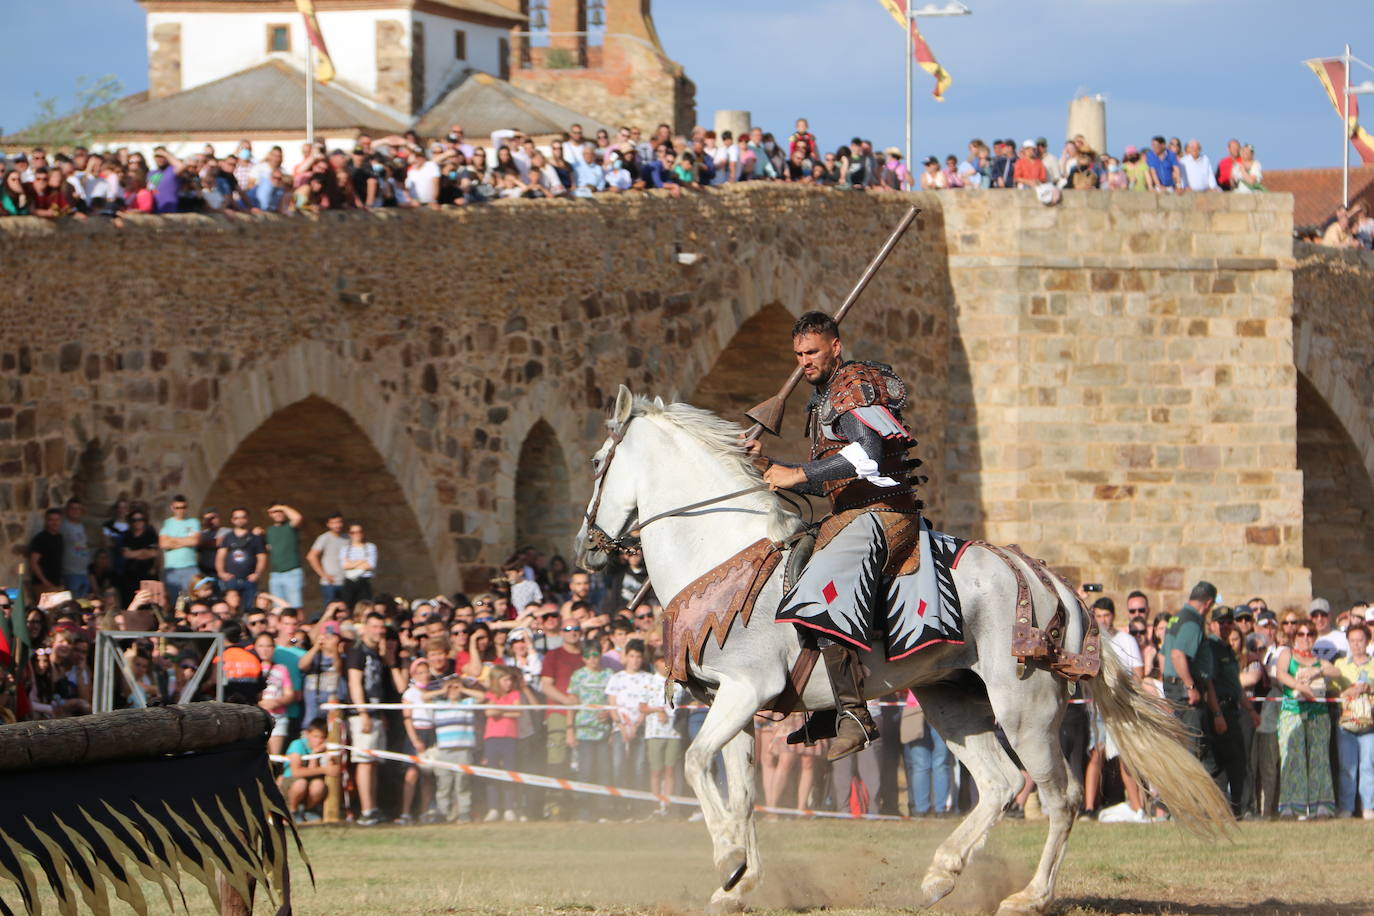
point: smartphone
(53, 599)
(1092, 587)
(156, 590)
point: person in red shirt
(1224, 179)
(805, 139)
(1029, 171)
(554, 679)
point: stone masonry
(1111, 382)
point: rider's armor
(858, 460)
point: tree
(97, 109)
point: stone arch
(313, 455)
(1338, 501)
(545, 516)
(751, 367)
(314, 370)
(575, 435)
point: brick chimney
(164, 59)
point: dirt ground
(840, 867)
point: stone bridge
(1142, 390)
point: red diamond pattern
(830, 592)
(921, 610)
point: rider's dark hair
(816, 323)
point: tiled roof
(483, 103)
(1317, 192)
(268, 97)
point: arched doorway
(313, 456)
(1337, 503)
(545, 513)
(750, 369)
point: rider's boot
(855, 729)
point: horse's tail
(1153, 744)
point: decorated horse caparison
(986, 636)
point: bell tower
(603, 57)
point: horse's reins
(623, 540)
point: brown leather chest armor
(859, 385)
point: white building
(220, 71)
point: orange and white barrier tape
(588, 788)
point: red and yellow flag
(1331, 72)
(324, 67)
(924, 58)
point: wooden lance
(768, 415)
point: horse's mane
(721, 438)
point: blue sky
(1203, 68)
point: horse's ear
(624, 403)
(658, 402)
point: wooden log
(128, 734)
(333, 785)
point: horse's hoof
(731, 868)
(936, 888)
(723, 902)
(1018, 905)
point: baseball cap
(417, 663)
(330, 626)
(1131, 151)
(519, 634)
(1319, 606)
(1222, 613)
(1242, 611)
(1028, 144)
(1266, 619)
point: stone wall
(481, 323)
(1110, 382)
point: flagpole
(910, 53)
(309, 91)
(1345, 135)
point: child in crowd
(591, 729)
(277, 693)
(661, 735)
(498, 741)
(629, 690)
(306, 788)
(455, 741)
(419, 725)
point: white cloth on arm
(865, 466)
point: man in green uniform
(1188, 671)
(1228, 745)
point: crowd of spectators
(408, 170)
(1250, 683)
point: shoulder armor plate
(860, 384)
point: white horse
(663, 457)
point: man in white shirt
(422, 181)
(1198, 174)
(572, 147)
(1330, 644)
(1103, 748)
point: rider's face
(817, 355)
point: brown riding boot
(855, 729)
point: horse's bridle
(624, 540)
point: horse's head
(608, 521)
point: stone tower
(603, 57)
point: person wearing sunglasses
(1305, 788)
(555, 679)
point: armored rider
(858, 460)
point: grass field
(839, 867)
(842, 867)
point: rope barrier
(588, 788)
